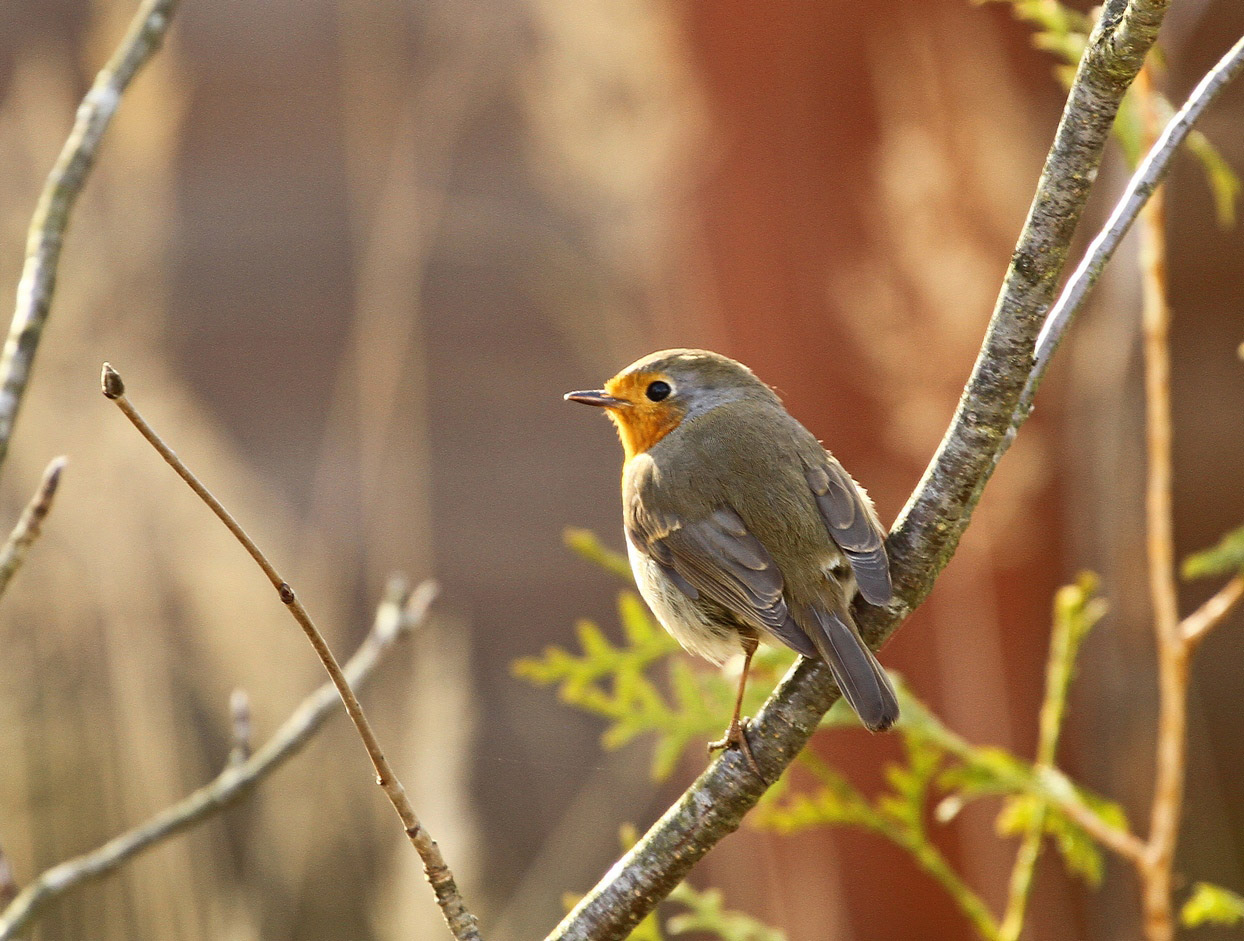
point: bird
(740, 526)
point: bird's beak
(597, 397)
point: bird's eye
(658, 390)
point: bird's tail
(856, 671)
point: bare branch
(1146, 178)
(51, 218)
(459, 919)
(1153, 859)
(240, 719)
(397, 616)
(928, 530)
(1123, 842)
(1059, 667)
(1172, 653)
(8, 884)
(1197, 624)
(29, 524)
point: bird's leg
(735, 736)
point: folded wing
(719, 559)
(853, 525)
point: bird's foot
(736, 737)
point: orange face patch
(642, 423)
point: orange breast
(640, 428)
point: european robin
(741, 527)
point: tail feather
(856, 671)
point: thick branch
(51, 219)
(461, 922)
(396, 617)
(928, 530)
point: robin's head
(654, 395)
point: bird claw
(736, 737)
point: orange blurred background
(349, 255)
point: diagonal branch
(51, 219)
(397, 616)
(930, 526)
(1197, 624)
(1121, 841)
(461, 922)
(1144, 181)
(29, 524)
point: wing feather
(719, 559)
(853, 525)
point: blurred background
(349, 255)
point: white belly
(678, 614)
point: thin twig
(51, 218)
(1148, 174)
(929, 858)
(910, 835)
(1064, 644)
(930, 526)
(461, 922)
(1123, 842)
(1172, 652)
(1197, 624)
(1154, 858)
(397, 616)
(8, 883)
(240, 720)
(1056, 789)
(30, 523)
